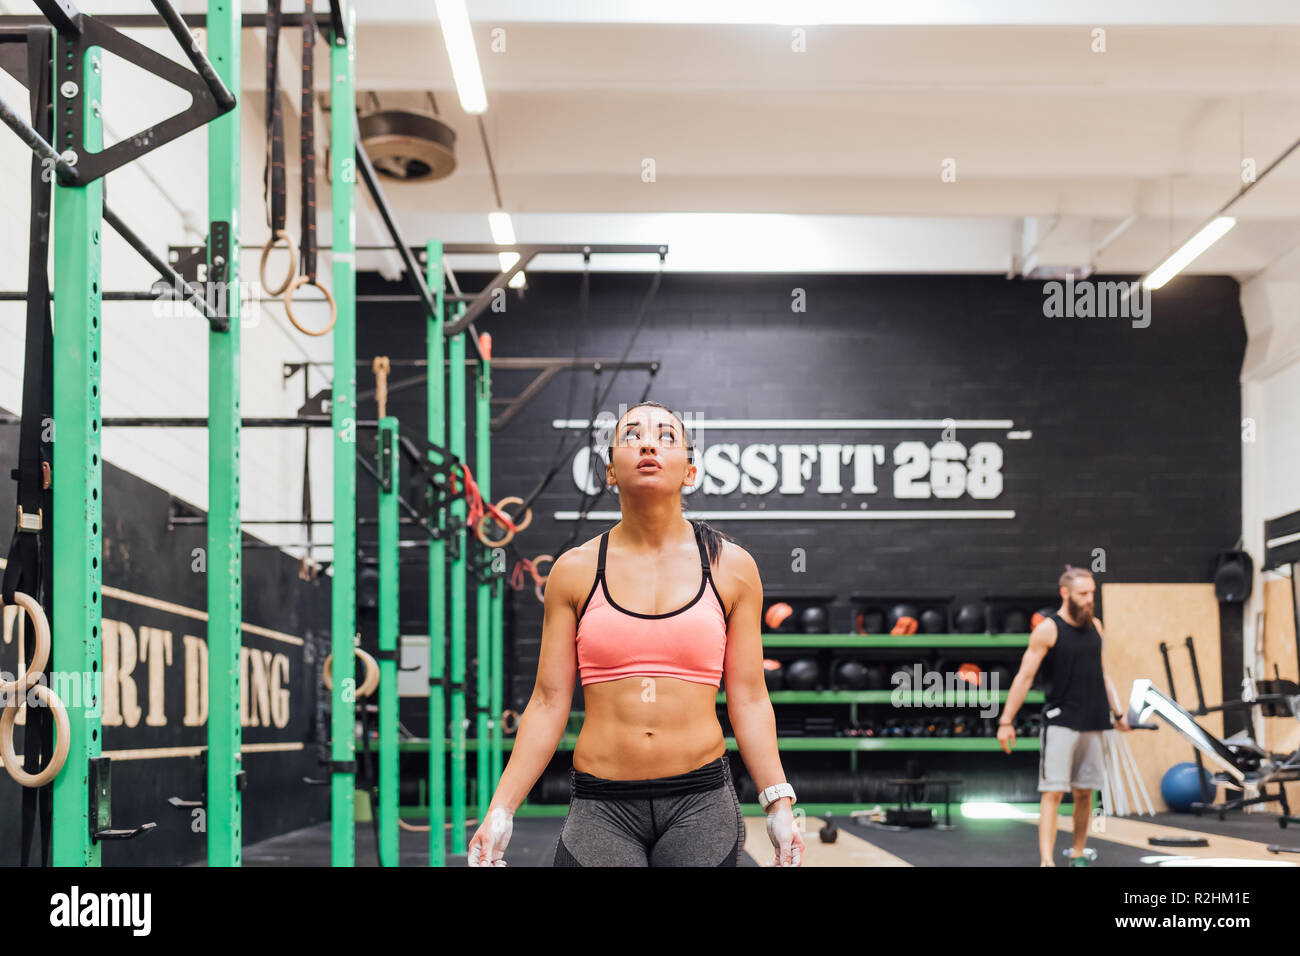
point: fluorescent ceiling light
(459, 38)
(1190, 249)
(503, 234)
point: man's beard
(1081, 615)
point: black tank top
(1073, 690)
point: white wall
(1270, 402)
(155, 364)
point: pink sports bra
(687, 644)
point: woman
(650, 614)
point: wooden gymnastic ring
(513, 725)
(293, 262)
(370, 682)
(541, 578)
(297, 283)
(528, 515)
(481, 533)
(41, 654)
(425, 828)
(61, 740)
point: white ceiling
(1038, 125)
(830, 159)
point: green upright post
(457, 596)
(498, 681)
(483, 658)
(437, 432)
(77, 470)
(224, 558)
(343, 594)
(388, 641)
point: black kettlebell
(829, 833)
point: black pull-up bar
(47, 152)
(67, 19)
(218, 322)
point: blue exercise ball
(1180, 788)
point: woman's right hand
(488, 848)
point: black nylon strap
(308, 241)
(600, 558)
(273, 182)
(29, 552)
(24, 565)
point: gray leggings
(692, 819)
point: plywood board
(1137, 618)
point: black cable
(585, 507)
(584, 293)
(567, 446)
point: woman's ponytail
(711, 537)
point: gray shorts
(692, 819)
(1069, 759)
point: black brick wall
(1135, 445)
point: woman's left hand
(785, 837)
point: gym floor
(1240, 840)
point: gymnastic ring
(371, 680)
(297, 283)
(528, 514)
(481, 533)
(40, 655)
(372, 674)
(487, 542)
(425, 827)
(61, 740)
(293, 262)
(541, 578)
(513, 725)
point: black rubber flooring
(971, 843)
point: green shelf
(875, 697)
(897, 743)
(810, 743)
(936, 641)
(419, 813)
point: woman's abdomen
(638, 728)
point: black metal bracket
(219, 248)
(101, 804)
(481, 569)
(335, 766)
(386, 458)
(322, 403)
(180, 803)
(202, 266)
(80, 32)
(186, 260)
